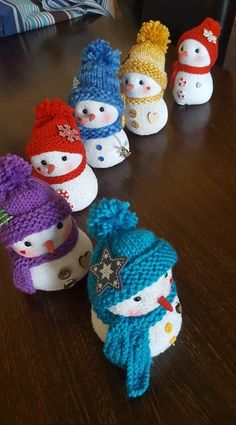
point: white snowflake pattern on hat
(71, 134)
(210, 36)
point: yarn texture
(211, 27)
(143, 80)
(55, 138)
(148, 258)
(98, 81)
(148, 55)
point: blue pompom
(110, 215)
(100, 52)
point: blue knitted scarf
(96, 133)
(127, 346)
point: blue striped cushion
(23, 15)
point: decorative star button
(69, 133)
(107, 271)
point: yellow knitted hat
(148, 55)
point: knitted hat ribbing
(30, 204)
(54, 130)
(148, 257)
(97, 77)
(206, 33)
(148, 55)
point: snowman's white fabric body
(81, 190)
(191, 80)
(192, 88)
(107, 151)
(144, 114)
(143, 80)
(164, 333)
(63, 272)
(98, 106)
(58, 156)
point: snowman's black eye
(27, 243)
(182, 48)
(166, 274)
(197, 50)
(85, 111)
(59, 225)
(64, 158)
(43, 162)
(101, 109)
(137, 299)
(141, 82)
(126, 81)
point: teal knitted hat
(138, 257)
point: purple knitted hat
(27, 205)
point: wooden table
(182, 184)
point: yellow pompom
(156, 33)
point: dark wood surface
(182, 184)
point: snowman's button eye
(141, 82)
(27, 243)
(43, 162)
(165, 275)
(85, 111)
(126, 81)
(137, 299)
(64, 158)
(101, 109)
(197, 50)
(182, 48)
(59, 225)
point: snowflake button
(182, 82)
(71, 134)
(181, 94)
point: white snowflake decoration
(210, 36)
(69, 133)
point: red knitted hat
(54, 130)
(206, 33)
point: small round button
(101, 158)
(69, 284)
(179, 308)
(64, 274)
(99, 147)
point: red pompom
(52, 108)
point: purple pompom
(14, 171)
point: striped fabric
(24, 15)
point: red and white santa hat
(54, 130)
(207, 33)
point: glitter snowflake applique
(75, 83)
(210, 36)
(69, 133)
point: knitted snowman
(46, 248)
(143, 80)
(58, 156)
(191, 80)
(135, 307)
(99, 107)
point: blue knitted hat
(97, 78)
(147, 256)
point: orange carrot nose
(92, 117)
(183, 54)
(128, 87)
(49, 245)
(51, 168)
(165, 303)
